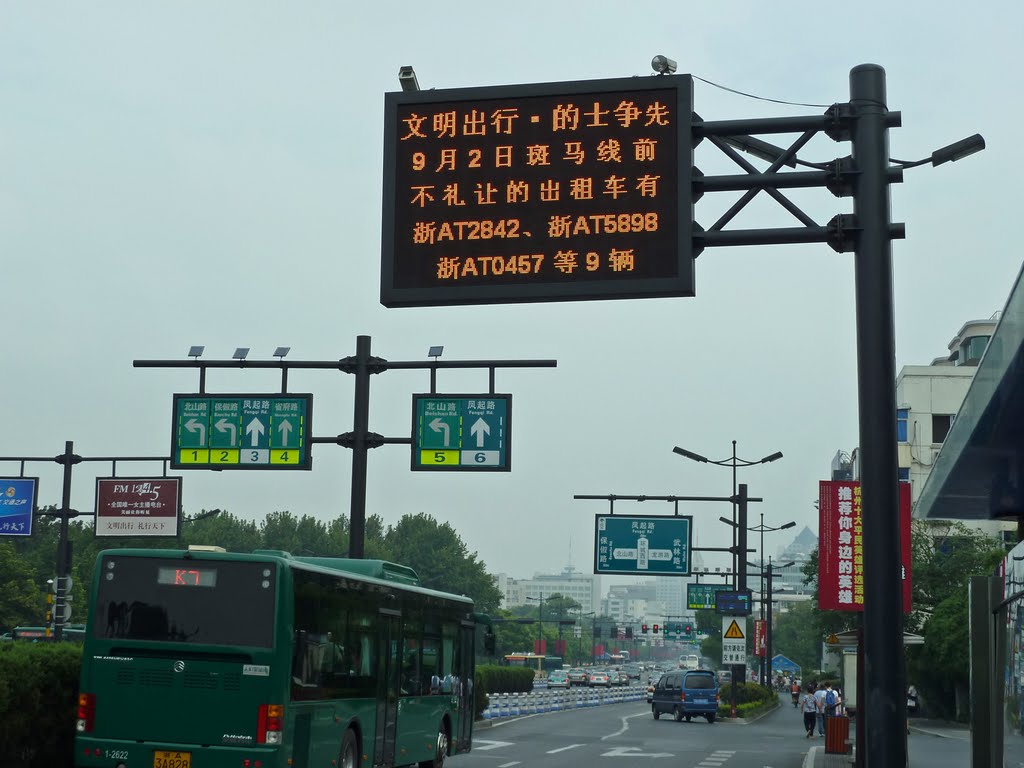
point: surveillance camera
(407, 78)
(663, 65)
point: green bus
(207, 659)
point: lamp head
(689, 454)
(663, 65)
(407, 79)
(958, 150)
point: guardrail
(541, 700)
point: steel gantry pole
(885, 710)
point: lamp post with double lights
(733, 461)
(540, 622)
(768, 574)
(762, 528)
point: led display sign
(544, 192)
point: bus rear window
(182, 601)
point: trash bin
(837, 733)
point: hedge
(38, 703)
(491, 678)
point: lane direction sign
(462, 432)
(629, 544)
(249, 431)
(702, 596)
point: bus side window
(411, 668)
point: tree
(796, 635)
(21, 599)
(436, 552)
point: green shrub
(494, 679)
(38, 703)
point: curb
(960, 735)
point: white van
(689, 661)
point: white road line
(482, 745)
(509, 765)
(563, 749)
(625, 726)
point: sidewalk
(817, 758)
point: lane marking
(509, 765)
(488, 744)
(563, 749)
(625, 725)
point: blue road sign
(656, 545)
(17, 503)
(781, 664)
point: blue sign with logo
(781, 664)
(17, 503)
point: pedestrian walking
(809, 707)
(819, 696)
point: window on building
(972, 349)
(902, 415)
(941, 423)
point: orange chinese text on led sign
(538, 193)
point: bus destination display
(547, 192)
(187, 577)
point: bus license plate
(700, 701)
(165, 759)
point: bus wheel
(441, 748)
(349, 751)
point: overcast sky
(206, 173)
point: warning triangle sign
(734, 632)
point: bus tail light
(269, 724)
(86, 712)
(682, 696)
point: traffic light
(629, 633)
(655, 629)
(679, 628)
(643, 628)
(689, 630)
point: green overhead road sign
(241, 432)
(654, 545)
(462, 432)
(702, 596)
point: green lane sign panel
(462, 432)
(702, 596)
(241, 431)
(644, 545)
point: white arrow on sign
(480, 430)
(437, 425)
(285, 428)
(194, 426)
(226, 426)
(633, 752)
(255, 429)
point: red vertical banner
(540, 647)
(760, 633)
(841, 546)
(599, 650)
